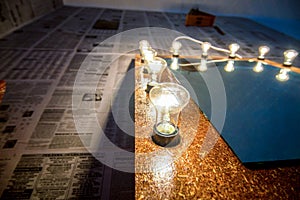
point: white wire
(189, 64)
(188, 38)
(207, 62)
(216, 61)
(201, 42)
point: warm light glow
(205, 47)
(166, 128)
(263, 50)
(156, 66)
(233, 48)
(175, 48)
(165, 100)
(289, 57)
(283, 75)
(258, 67)
(148, 55)
(168, 99)
(144, 44)
(163, 172)
(229, 66)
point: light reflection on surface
(229, 67)
(283, 75)
(258, 67)
(163, 173)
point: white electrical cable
(188, 38)
(188, 64)
(197, 63)
(200, 42)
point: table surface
(203, 164)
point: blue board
(262, 123)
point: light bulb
(146, 52)
(148, 55)
(168, 99)
(205, 47)
(156, 66)
(289, 57)
(262, 51)
(233, 48)
(258, 67)
(283, 75)
(203, 66)
(175, 48)
(229, 67)
(144, 44)
(143, 77)
(174, 64)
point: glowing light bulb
(144, 44)
(174, 65)
(289, 57)
(233, 48)
(205, 47)
(175, 48)
(146, 52)
(168, 99)
(258, 67)
(283, 75)
(143, 77)
(149, 55)
(229, 67)
(262, 51)
(203, 65)
(156, 67)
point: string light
(233, 48)
(175, 48)
(263, 50)
(205, 47)
(289, 57)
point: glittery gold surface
(202, 166)
(2, 89)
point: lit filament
(166, 128)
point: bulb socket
(150, 85)
(166, 140)
(260, 58)
(286, 65)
